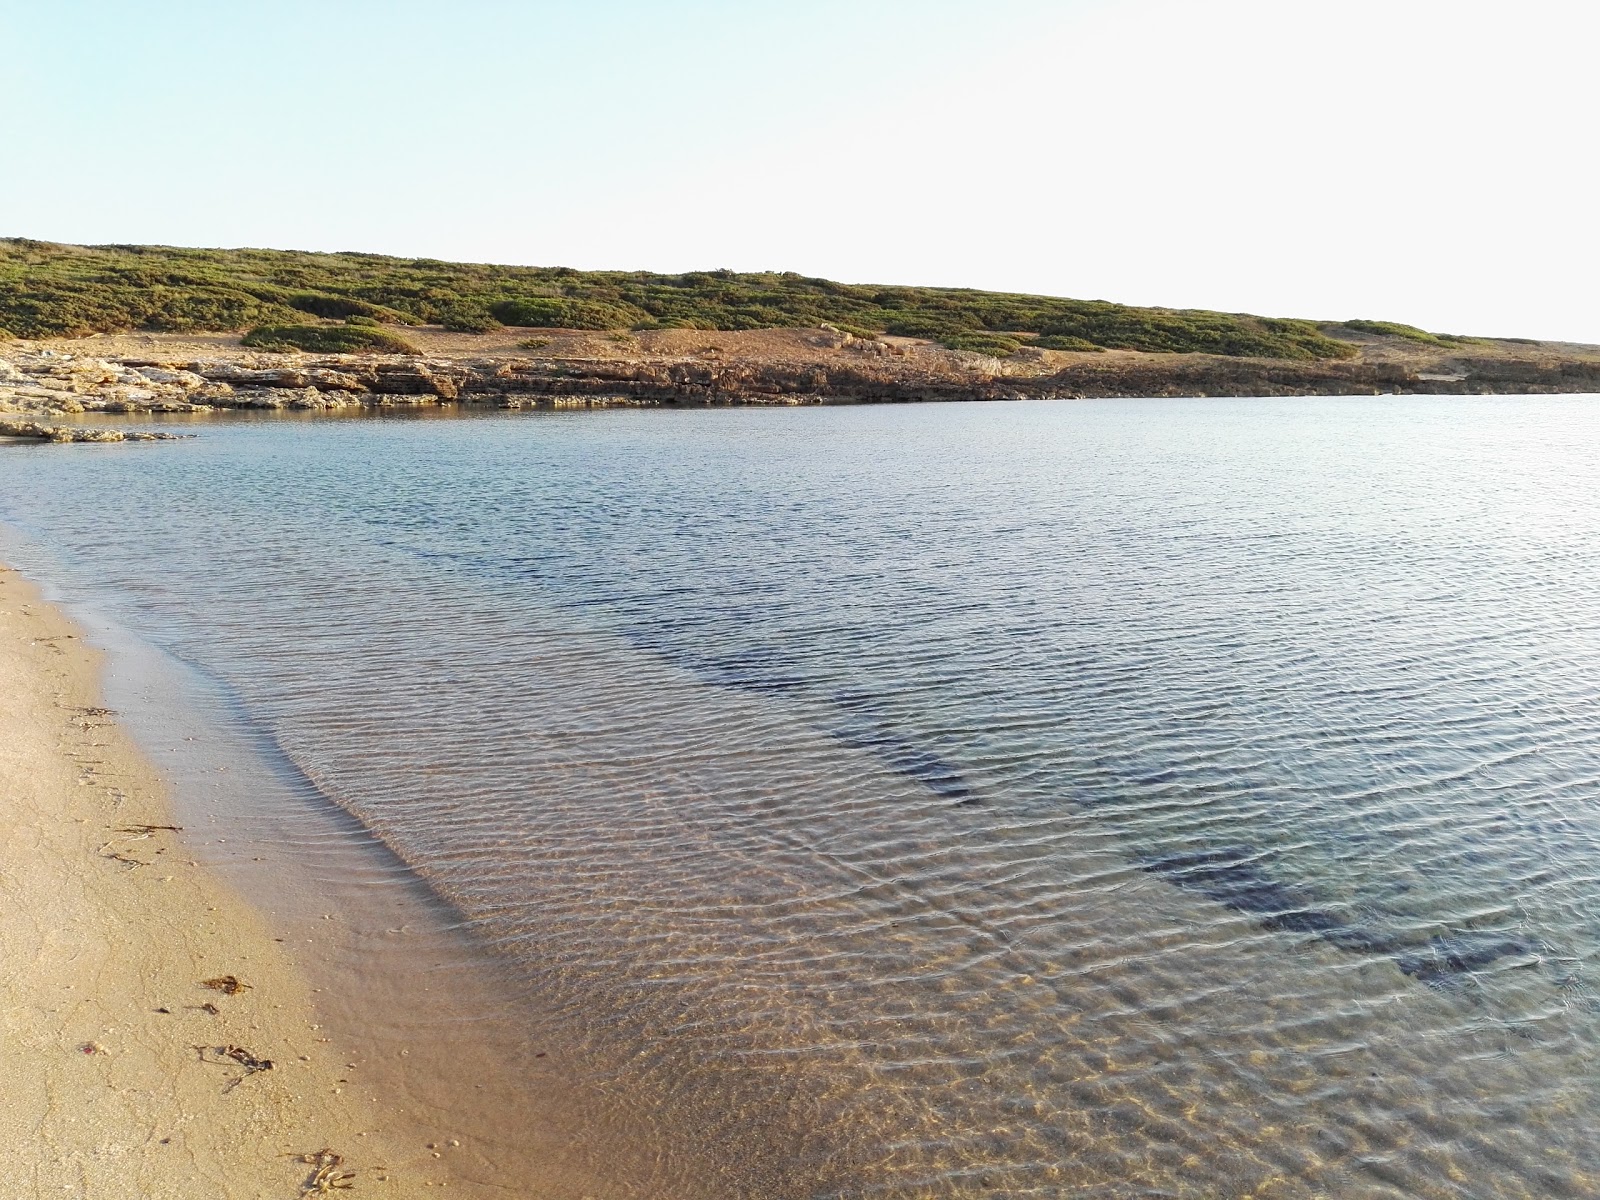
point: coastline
(124, 1079)
(42, 382)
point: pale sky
(1412, 160)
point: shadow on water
(1233, 877)
(903, 756)
(765, 671)
(758, 670)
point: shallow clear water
(1127, 798)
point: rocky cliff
(45, 382)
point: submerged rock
(1458, 954)
(1232, 877)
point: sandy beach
(136, 1065)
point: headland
(159, 329)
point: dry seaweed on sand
(137, 833)
(326, 1175)
(83, 711)
(228, 985)
(222, 1056)
(118, 856)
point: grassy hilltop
(289, 298)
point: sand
(117, 1080)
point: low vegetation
(1410, 332)
(467, 319)
(49, 289)
(1060, 341)
(997, 345)
(355, 337)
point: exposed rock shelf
(46, 381)
(37, 431)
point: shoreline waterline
(120, 1053)
(402, 1019)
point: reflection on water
(1185, 798)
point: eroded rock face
(43, 383)
(322, 379)
(47, 383)
(186, 380)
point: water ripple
(1122, 798)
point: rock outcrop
(45, 383)
(76, 433)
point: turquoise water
(1118, 798)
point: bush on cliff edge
(328, 339)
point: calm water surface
(1117, 798)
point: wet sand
(126, 1075)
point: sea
(1112, 798)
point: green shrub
(336, 308)
(926, 325)
(469, 320)
(993, 344)
(681, 323)
(52, 290)
(1058, 341)
(328, 339)
(1392, 330)
(860, 331)
(538, 312)
(549, 312)
(1193, 331)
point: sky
(1413, 160)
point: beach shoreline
(144, 999)
(156, 838)
(162, 1041)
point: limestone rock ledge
(43, 383)
(77, 433)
